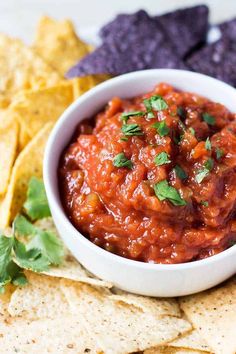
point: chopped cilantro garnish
(155, 102)
(131, 129)
(148, 106)
(124, 138)
(36, 204)
(208, 144)
(40, 248)
(164, 191)
(208, 166)
(126, 115)
(121, 160)
(181, 113)
(192, 131)
(209, 119)
(204, 203)
(162, 159)
(162, 128)
(180, 172)
(219, 153)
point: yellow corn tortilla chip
(83, 84)
(35, 108)
(192, 341)
(8, 148)
(28, 163)
(116, 327)
(156, 306)
(213, 314)
(21, 68)
(57, 43)
(24, 139)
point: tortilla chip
(24, 139)
(156, 306)
(21, 68)
(28, 164)
(8, 147)
(57, 43)
(60, 336)
(191, 340)
(119, 328)
(213, 314)
(171, 350)
(35, 108)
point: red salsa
(153, 178)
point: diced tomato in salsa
(153, 178)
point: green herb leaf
(208, 144)
(219, 153)
(204, 203)
(192, 131)
(131, 129)
(205, 171)
(36, 205)
(121, 160)
(124, 138)
(126, 115)
(164, 191)
(162, 159)
(209, 119)
(162, 128)
(180, 172)
(181, 113)
(158, 103)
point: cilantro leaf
(36, 205)
(219, 153)
(162, 159)
(126, 115)
(164, 191)
(208, 144)
(148, 106)
(208, 166)
(131, 129)
(209, 119)
(180, 172)
(204, 203)
(121, 160)
(192, 131)
(162, 128)
(6, 244)
(155, 102)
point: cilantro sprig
(131, 129)
(120, 160)
(162, 159)
(209, 119)
(156, 103)
(29, 247)
(126, 115)
(161, 128)
(204, 172)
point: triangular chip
(213, 314)
(8, 148)
(191, 340)
(120, 328)
(28, 164)
(35, 108)
(21, 68)
(57, 43)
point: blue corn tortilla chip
(139, 44)
(185, 28)
(217, 59)
(228, 29)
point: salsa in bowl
(149, 178)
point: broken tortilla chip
(213, 314)
(28, 164)
(35, 108)
(192, 341)
(57, 43)
(8, 147)
(21, 68)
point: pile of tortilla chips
(66, 309)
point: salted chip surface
(57, 43)
(140, 45)
(21, 68)
(8, 148)
(184, 32)
(28, 163)
(217, 59)
(36, 108)
(120, 328)
(156, 306)
(213, 314)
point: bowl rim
(58, 208)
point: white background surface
(19, 17)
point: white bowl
(137, 277)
